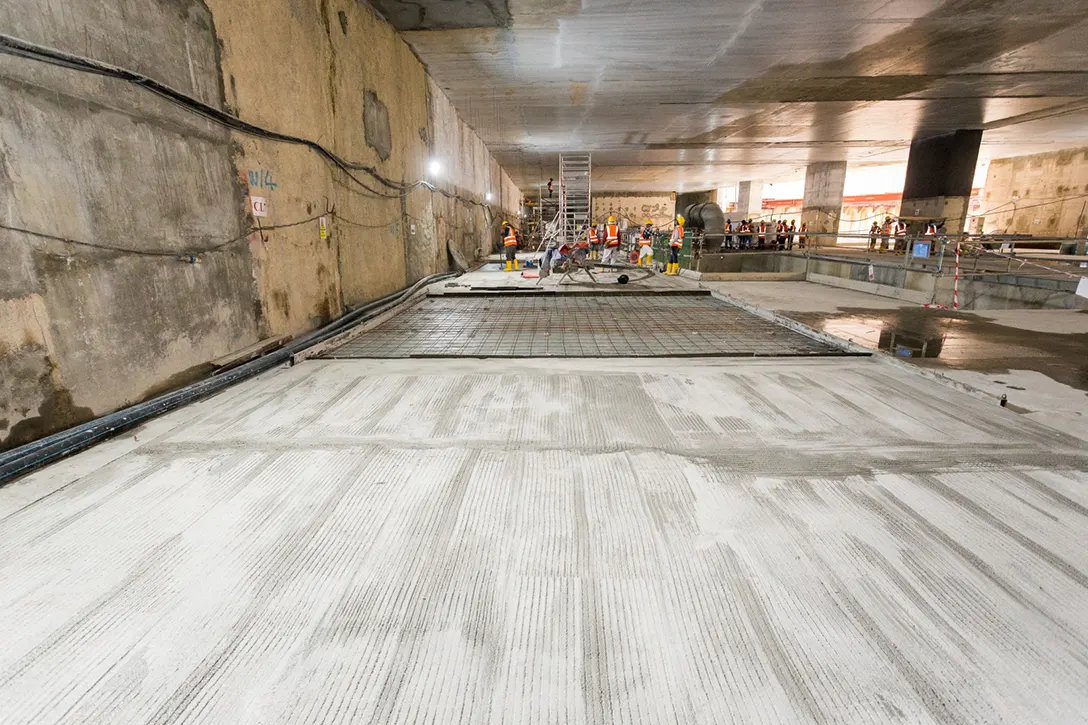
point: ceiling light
(434, 168)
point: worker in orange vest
(646, 244)
(611, 241)
(676, 242)
(594, 242)
(510, 246)
(900, 237)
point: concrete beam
(749, 199)
(822, 206)
(940, 173)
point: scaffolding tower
(575, 204)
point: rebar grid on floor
(582, 326)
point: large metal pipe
(708, 217)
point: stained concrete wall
(1042, 195)
(636, 208)
(85, 330)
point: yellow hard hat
(611, 219)
(505, 223)
(680, 218)
(649, 222)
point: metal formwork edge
(854, 348)
(790, 324)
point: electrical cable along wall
(175, 186)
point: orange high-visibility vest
(613, 235)
(593, 238)
(644, 241)
(900, 229)
(510, 240)
(677, 236)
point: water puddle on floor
(881, 334)
(959, 340)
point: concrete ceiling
(706, 93)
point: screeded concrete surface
(528, 542)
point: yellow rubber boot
(517, 265)
(509, 266)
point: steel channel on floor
(579, 326)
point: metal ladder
(575, 204)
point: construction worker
(874, 233)
(646, 244)
(802, 236)
(900, 237)
(791, 234)
(762, 234)
(676, 242)
(510, 246)
(594, 242)
(931, 229)
(885, 234)
(611, 241)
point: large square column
(822, 205)
(749, 199)
(940, 172)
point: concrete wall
(635, 207)
(85, 330)
(1005, 292)
(1031, 194)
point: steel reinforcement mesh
(579, 326)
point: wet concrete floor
(958, 340)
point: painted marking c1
(258, 205)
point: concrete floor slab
(1038, 358)
(803, 296)
(465, 541)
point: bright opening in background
(434, 168)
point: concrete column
(822, 206)
(940, 172)
(749, 199)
